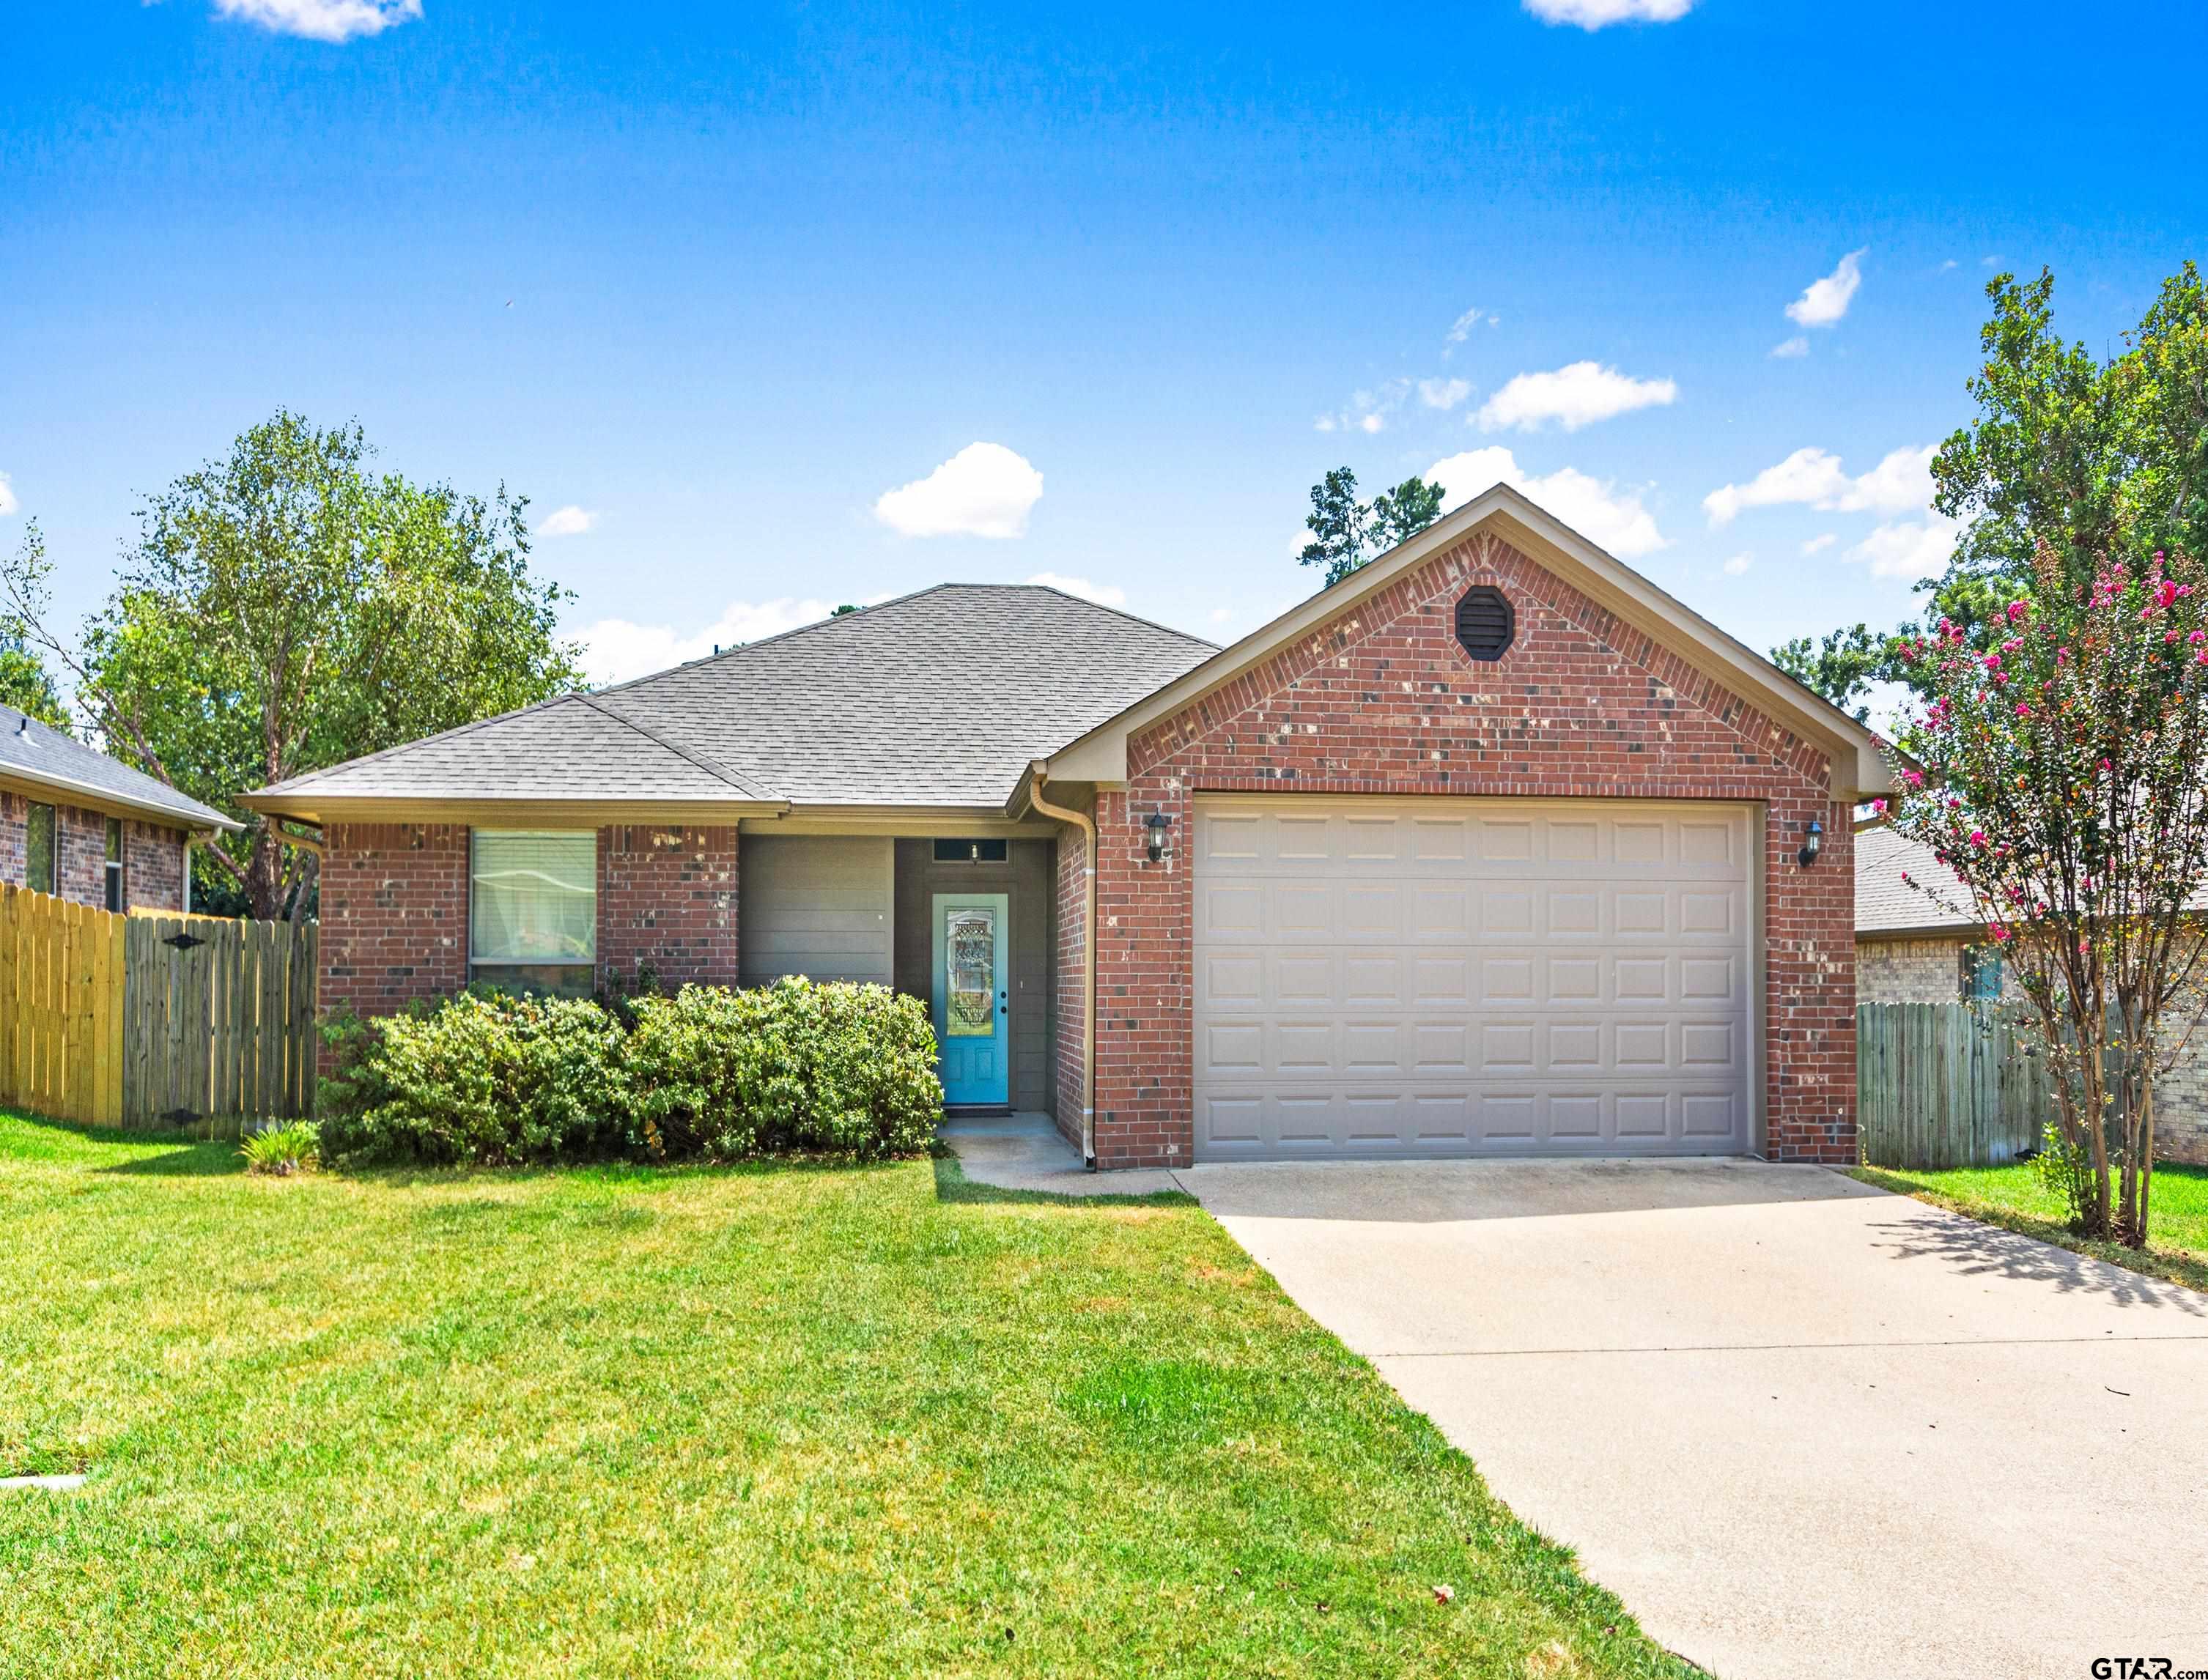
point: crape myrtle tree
(284, 608)
(2061, 773)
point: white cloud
(1908, 549)
(1461, 328)
(1739, 564)
(1822, 303)
(1444, 393)
(1788, 349)
(615, 650)
(1220, 614)
(7, 502)
(984, 490)
(1368, 410)
(568, 521)
(1819, 543)
(321, 20)
(1104, 595)
(1897, 484)
(1597, 510)
(1592, 15)
(1574, 396)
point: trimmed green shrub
(847, 1069)
(491, 1078)
(484, 1076)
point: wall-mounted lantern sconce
(1812, 843)
(1154, 831)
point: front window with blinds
(40, 855)
(116, 884)
(533, 910)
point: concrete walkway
(1025, 1152)
(1800, 1426)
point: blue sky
(720, 279)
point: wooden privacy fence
(151, 1020)
(1946, 1085)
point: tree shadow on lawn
(165, 1152)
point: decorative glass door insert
(969, 973)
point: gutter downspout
(1088, 827)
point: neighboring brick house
(1916, 944)
(88, 828)
(1492, 848)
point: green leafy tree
(2064, 779)
(1842, 667)
(2075, 454)
(1346, 532)
(284, 608)
(25, 684)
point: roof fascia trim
(93, 796)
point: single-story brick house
(1493, 848)
(1913, 946)
(90, 829)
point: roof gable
(1858, 757)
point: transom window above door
(971, 851)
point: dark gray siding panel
(818, 905)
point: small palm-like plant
(282, 1149)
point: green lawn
(768, 1421)
(2014, 1198)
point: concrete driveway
(1802, 1428)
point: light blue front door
(972, 1010)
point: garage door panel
(1300, 979)
(1422, 977)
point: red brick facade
(667, 898)
(153, 855)
(394, 910)
(1070, 980)
(394, 914)
(1382, 699)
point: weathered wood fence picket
(149, 1020)
(1946, 1085)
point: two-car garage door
(1429, 976)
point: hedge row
(709, 1073)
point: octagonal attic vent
(1484, 622)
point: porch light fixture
(1154, 831)
(1813, 842)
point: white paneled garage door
(1441, 977)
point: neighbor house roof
(1858, 757)
(36, 755)
(1887, 905)
(934, 700)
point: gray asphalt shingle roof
(1885, 903)
(941, 698)
(32, 751)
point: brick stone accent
(81, 851)
(1070, 979)
(1383, 699)
(153, 855)
(14, 836)
(153, 866)
(1910, 971)
(667, 897)
(394, 914)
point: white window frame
(570, 977)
